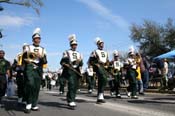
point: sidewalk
(160, 91)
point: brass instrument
(71, 68)
(114, 71)
(45, 66)
(19, 59)
(31, 56)
(107, 64)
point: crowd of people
(31, 76)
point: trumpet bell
(31, 56)
(44, 65)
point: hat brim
(73, 43)
(36, 36)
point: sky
(108, 19)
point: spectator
(145, 71)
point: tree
(153, 38)
(169, 34)
(35, 4)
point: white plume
(24, 44)
(131, 49)
(37, 30)
(116, 53)
(72, 37)
(97, 39)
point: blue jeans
(145, 79)
(140, 86)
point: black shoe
(99, 101)
(27, 111)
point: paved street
(53, 104)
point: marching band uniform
(116, 66)
(49, 79)
(72, 63)
(62, 81)
(34, 59)
(132, 74)
(90, 78)
(99, 60)
(18, 67)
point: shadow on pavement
(55, 104)
(149, 101)
(163, 98)
(79, 100)
(11, 105)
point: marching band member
(62, 81)
(34, 59)
(90, 78)
(72, 63)
(132, 74)
(18, 68)
(99, 61)
(116, 66)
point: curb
(160, 91)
